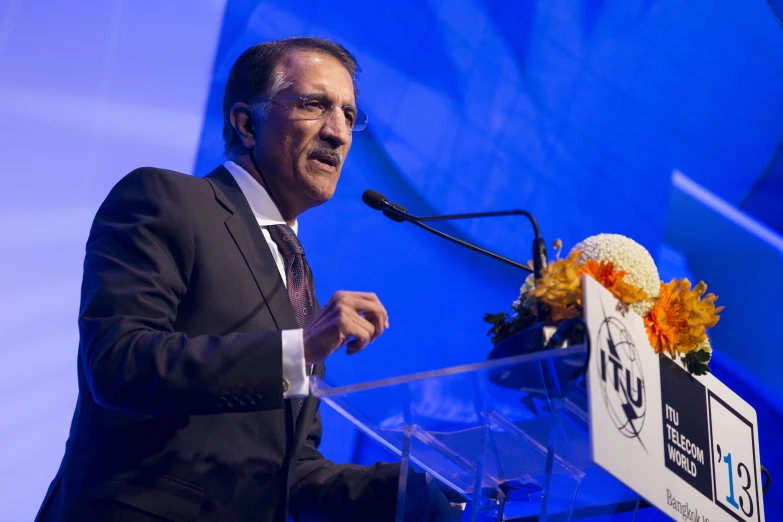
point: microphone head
(374, 199)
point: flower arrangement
(676, 315)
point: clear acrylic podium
(510, 435)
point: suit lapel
(247, 235)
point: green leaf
(695, 364)
(495, 318)
(504, 326)
(701, 370)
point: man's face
(301, 158)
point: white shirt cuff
(294, 368)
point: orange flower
(664, 322)
(680, 317)
(558, 246)
(560, 288)
(628, 293)
(604, 273)
(560, 285)
(700, 314)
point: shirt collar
(264, 209)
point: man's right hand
(357, 315)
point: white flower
(525, 300)
(627, 255)
(530, 284)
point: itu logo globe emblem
(622, 380)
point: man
(198, 321)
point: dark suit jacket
(180, 412)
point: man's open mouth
(327, 160)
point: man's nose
(335, 128)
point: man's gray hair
(259, 108)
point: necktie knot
(286, 240)
(299, 278)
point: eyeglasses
(314, 107)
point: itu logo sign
(622, 381)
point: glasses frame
(359, 124)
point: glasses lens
(361, 120)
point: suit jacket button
(244, 400)
(285, 385)
(258, 398)
(252, 400)
(231, 402)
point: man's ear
(242, 121)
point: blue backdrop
(578, 110)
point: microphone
(398, 213)
(374, 199)
(378, 201)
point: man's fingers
(362, 331)
(359, 315)
(376, 315)
(356, 317)
(353, 347)
(369, 306)
(378, 324)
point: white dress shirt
(266, 213)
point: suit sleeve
(139, 258)
(322, 490)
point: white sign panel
(688, 445)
